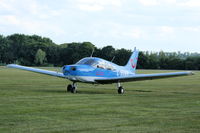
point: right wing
(138, 77)
(42, 71)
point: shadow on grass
(141, 91)
(92, 92)
(78, 91)
(84, 91)
(50, 91)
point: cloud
(29, 17)
(133, 33)
(186, 3)
(97, 5)
(149, 2)
(167, 29)
(192, 29)
(29, 26)
(146, 22)
(165, 32)
(157, 2)
(9, 20)
(190, 3)
(86, 7)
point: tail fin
(132, 62)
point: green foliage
(22, 49)
(122, 56)
(107, 53)
(40, 57)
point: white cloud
(167, 29)
(121, 21)
(123, 31)
(190, 3)
(157, 2)
(97, 5)
(192, 29)
(165, 33)
(149, 2)
(86, 7)
(135, 33)
(9, 19)
(185, 3)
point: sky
(153, 25)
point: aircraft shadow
(64, 91)
(51, 91)
(141, 91)
(91, 92)
(83, 91)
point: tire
(120, 90)
(73, 90)
(69, 88)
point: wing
(138, 77)
(42, 71)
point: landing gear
(72, 88)
(120, 88)
(69, 88)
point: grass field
(31, 102)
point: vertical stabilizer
(132, 62)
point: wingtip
(190, 73)
(11, 65)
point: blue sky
(154, 25)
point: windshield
(96, 63)
(87, 61)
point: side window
(105, 65)
(109, 66)
(100, 66)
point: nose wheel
(120, 88)
(72, 88)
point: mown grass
(31, 102)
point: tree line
(34, 50)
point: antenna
(92, 52)
(113, 59)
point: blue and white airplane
(99, 71)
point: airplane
(95, 70)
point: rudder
(132, 62)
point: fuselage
(90, 68)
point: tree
(4, 46)
(122, 56)
(40, 57)
(153, 61)
(107, 52)
(143, 60)
(36, 50)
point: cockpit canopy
(96, 62)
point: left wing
(138, 77)
(42, 71)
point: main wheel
(120, 90)
(73, 90)
(69, 88)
